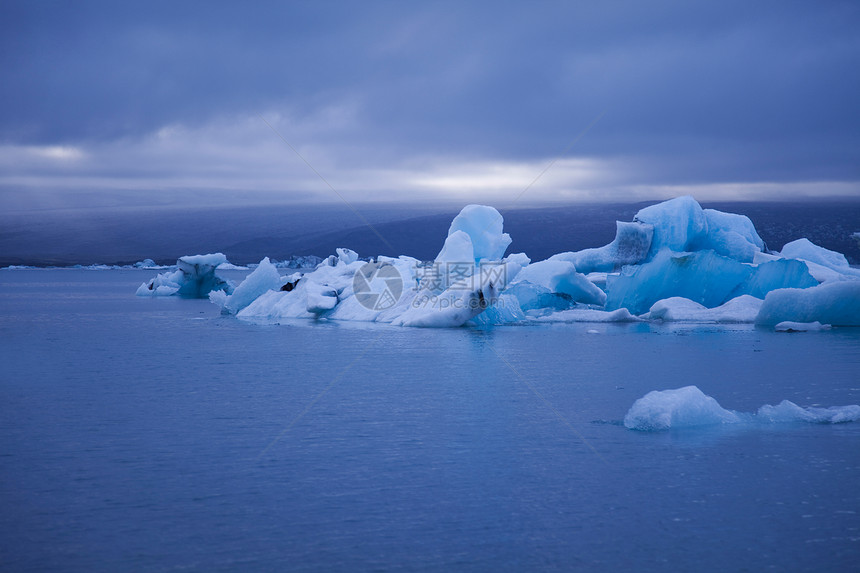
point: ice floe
(689, 407)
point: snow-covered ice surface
(744, 308)
(156, 433)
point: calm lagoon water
(157, 435)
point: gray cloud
(380, 95)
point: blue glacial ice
(678, 224)
(820, 259)
(689, 407)
(674, 262)
(631, 246)
(808, 251)
(731, 235)
(702, 276)
(484, 226)
(562, 278)
(194, 277)
(681, 224)
(836, 303)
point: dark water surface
(156, 435)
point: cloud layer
(394, 101)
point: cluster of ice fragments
(674, 262)
(689, 407)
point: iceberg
(685, 407)
(836, 303)
(147, 264)
(194, 278)
(689, 407)
(677, 261)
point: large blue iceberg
(674, 262)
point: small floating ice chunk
(680, 408)
(690, 407)
(787, 411)
(789, 326)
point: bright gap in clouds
(240, 160)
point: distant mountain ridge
(247, 234)
(543, 232)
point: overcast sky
(160, 102)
